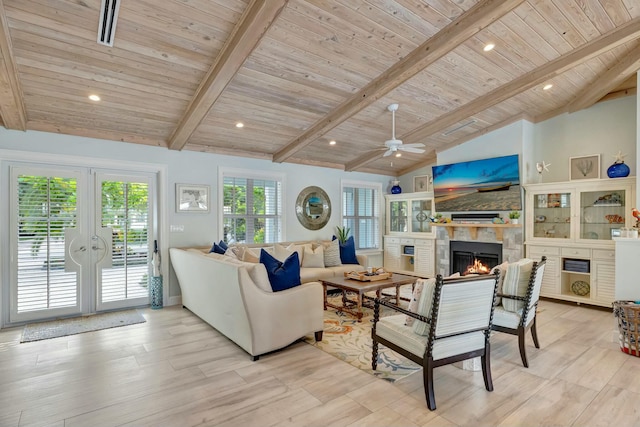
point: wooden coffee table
(360, 288)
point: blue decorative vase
(396, 189)
(618, 170)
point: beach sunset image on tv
(479, 185)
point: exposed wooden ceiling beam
(12, 109)
(254, 23)
(607, 81)
(483, 14)
(623, 34)
(363, 160)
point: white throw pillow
(503, 272)
(281, 253)
(332, 254)
(258, 274)
(415, 297)
(313, 258)
(424, 307)
(515, 283)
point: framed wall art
(584, 167)
(421, 183)
(192, 198)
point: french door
(81, 241)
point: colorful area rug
(78, 325)
(350, 341)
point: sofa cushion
(258, 274)
(313, 274)
(313, 258)
(282, 275)
(516, 282)
(332, 254)
(348, 251)
(423, 307)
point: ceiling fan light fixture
(398, 154)
(393, 145)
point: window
(361, 213)
(252, 208)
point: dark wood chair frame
(427, 362)
(521, 330)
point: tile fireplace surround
(512, 244)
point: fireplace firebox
(474, 257)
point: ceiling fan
(394, 145)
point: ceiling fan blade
(411, 149)
(414, 145)
(387, 153)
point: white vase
(515, 221)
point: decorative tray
(363, 276)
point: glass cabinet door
(398, 216)
(420, 214)
(601, 212)
(552, 215)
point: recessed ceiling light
(488, 47)
(398, 154)
(547, 86)
(239, 125)
(94, 98)
(332, 142)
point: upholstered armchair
(452, 322)
(518, 302)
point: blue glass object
(618, 170)
(396, 189)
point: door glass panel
(420, 214)
(398, 216)
(552, 215)
(601, 212)
(125, 211)
(46, 208)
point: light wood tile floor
(174, 370)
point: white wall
(604, 129)
(190, 167)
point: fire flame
(477, 268)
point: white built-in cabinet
(572, 224)
(409, 242)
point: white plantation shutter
(46, 206)
(252, 209)
(361, 213)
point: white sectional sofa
(235, 298)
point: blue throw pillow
(348, 251)
(282, 275)
(223, 245)
(217, 249)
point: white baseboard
(174, 300)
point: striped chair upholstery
(517, 322)
(458, 322)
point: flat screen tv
(479, 185)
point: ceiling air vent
(108, 19)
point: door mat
(350, 341)
(79, 325)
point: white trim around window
(377, 187)
(256, 175)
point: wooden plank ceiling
(300, 73)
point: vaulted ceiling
(301, 73)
